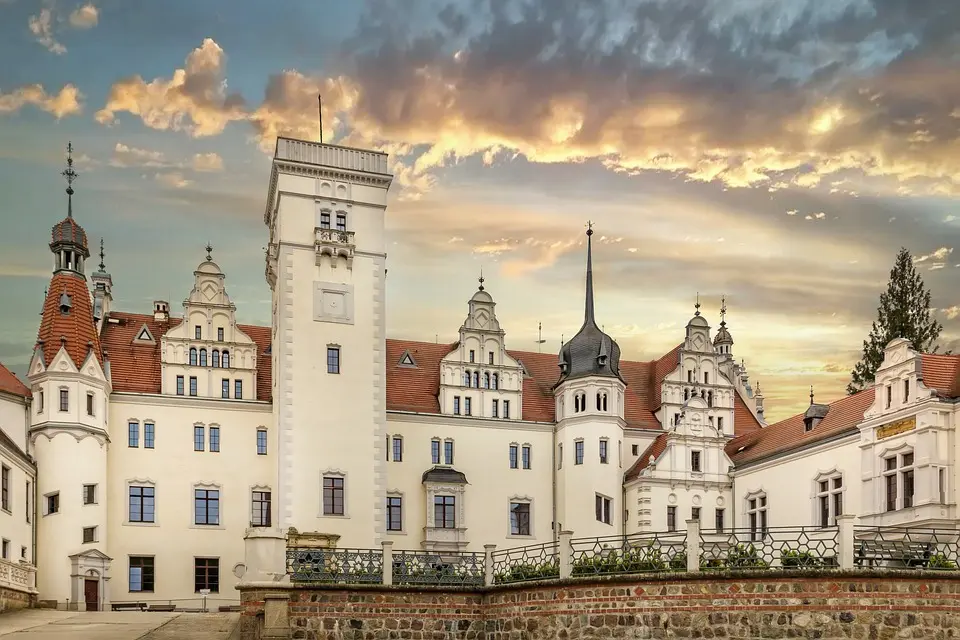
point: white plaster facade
(323, 424)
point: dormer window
(66, 303)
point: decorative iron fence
(638, 553)
(770, 548)
(521, 564)
(438, 568)
(906, 548)
(345, 566)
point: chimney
(161, 310)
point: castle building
(145, 447)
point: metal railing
(438, 568)
(638, 553)
(521, 564)
(770, 548)
(906, 548)
(345, 566)
(331, 155)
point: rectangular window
(695, 461)
(908, 489)
(206, 506)
(448, 452)
(472, 355)
(89, 494)
(757, 517)
(89, 535)
(332, 496)
(891, 492)
(225, 388)
(456, 405)
(5, 488)
(27, 501)
(506, 409)
(496, 409)
(23, 552)
(560, 456)
(435, 451)
(444, 512)
(238, 389)
(90, 398)
(394, 513)
(206, 574)
(467, 409)
(64, 400)
(53, 503)
(635, 449)
(142, 502)
(197, 332)
(260, 517)
(40, 402)
(148, 437)
(889, 396)
(603, 509)
(261, 442)
(718, 520)
(5, 549)
(490, 357)
(333, 359)
(141, 573)
(215, 439)
(179, 385)
(397, 449)
(341, 222)
(603, 452)
(720, 423)
(519, 518)
(219, 334)
(193, 385)
(514, 462)
(324, 219)
(578, 452)
(526, 456)
(906, 390)
(198, 439)
(133, 434)
(695, 513)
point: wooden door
(91, 594)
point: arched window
(216, 357)
(486, 380)
(203, 357)
(466, 378)
(580, 402)
(601, 401)
(193, 356)
(476, 379)
(686, 394)
(709, 398)
(225, 359)
(496, 381)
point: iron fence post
(693, 545)
(565, 553)
(488, 550)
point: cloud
(85, 17)
(41, 26)
(939, 255)
(126, 157)
(792, 212)
(65, 103)
(207, 162)
(194, 99)
(173, 179)
(951, 312)
(815, 216)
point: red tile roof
(67, 230)
(842, 417)
(76, 329)
(941, 373)
(135, 367)
(656, 449)
(744, 421)
(9, 383)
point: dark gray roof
(817, 411)
(447, 475)
(591, 352)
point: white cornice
(157, 399)
(467, 421)
(804, 451)
(932, 403)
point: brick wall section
(761, 606)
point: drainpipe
(553, 475)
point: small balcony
(336, 244)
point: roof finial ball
(589, 227)
(697, 305)
(811, 394)
(209, 252)
(481, 278)
(70, 175)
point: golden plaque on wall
(896, 428)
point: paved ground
(41, 624)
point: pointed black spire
(70, 175)
(811, 394)
(102, 265)
(723, 311)
(588, 307)
(697, 306)
(481, 278)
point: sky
(777, 154)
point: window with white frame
(261, 442)
(525, 453)
(397, 449)
(898, 481)
(141, 500)
(133, 434)
(394, 513)
(604, 508)
(334, 495)
(514, 456)
(448, 452)
(757, 516)
(206, 506)
(603, 450)
(829, 500)
(695, 465)
(435, 451)
(578, 452)
(260, 508)
(519, 518)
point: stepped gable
(9, 383)
(76, 325)
(135, 367)
(842, 417)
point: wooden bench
(128, 606)
(162, 607)
(911, 554)
(225, 608)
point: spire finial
(723, 311)
(811, 394)
(102, 266)
(481, 278)
(70, 175)
(697, 305)
(209, 252)
(588, 307)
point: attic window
(810, 422)
(144, 335)
(406, 360)
(66, 303)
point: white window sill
(207, 526)
(343, 516)
(521, 536)
(140, 524)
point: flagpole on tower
(320, 113)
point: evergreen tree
(904, 312)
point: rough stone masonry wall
(852, 605)
(11, 599)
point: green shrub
(795, 558)
(940, 561)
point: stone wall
(837, 605)
(12, 599)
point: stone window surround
(396, 493)
(525, 499)
(46, 501)
(142, 555)
(756, 494)
(83, 494)
(439, 449)
(897, 452)
(613, 512)
(210, 486)
(583, 450)
(603, 447)
(264, 488)
(335, 473)
(142, 482)
(457, 491)
(828, 476)
(393, 439)
(96, 537)
(61, 397)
